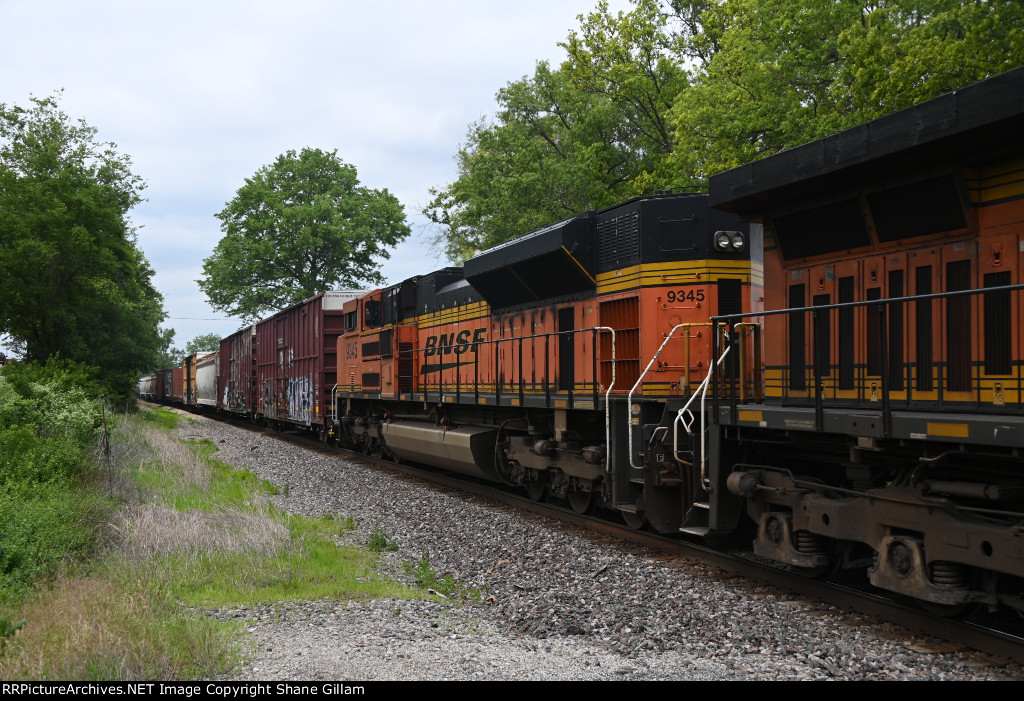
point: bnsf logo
(445, 343)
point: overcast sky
(202, 94)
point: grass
(429, 579)
(379, 541)
(193, 534)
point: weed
(379, 541)
(8, 628)
(427, 578)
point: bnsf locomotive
(822, 356)
(889, 434)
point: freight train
(821, 357)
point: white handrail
(629, 401)
(702, 391)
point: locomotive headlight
(723, 241)
(737, 241)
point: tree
(298, 227)
(167, 355)
(206, 342)
(636, 61)
(72, 281)
(585, 135)
(908, 51)
(553, 151)
(785, 72)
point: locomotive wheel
(634, 519)
(835, 559)
(536, 490)
(582, 502)
(820, 572)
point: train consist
(821, 357)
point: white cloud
(202, 94)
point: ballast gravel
(556, 603)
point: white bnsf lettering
(459, 343)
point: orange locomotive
(541, 362)
(890, 436)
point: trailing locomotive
(822, 357)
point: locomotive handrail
(702, 390)
(881, 304)
(629, 400)
(439, 348)
(607, 401)
(725, 318)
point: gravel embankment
(558, 603)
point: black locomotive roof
(991, 112)
(554, 261)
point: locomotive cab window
(352, 321)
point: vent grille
(797, 339)
(623, 315)
(998, 326)
(958, 325)
(618, 242)
(923, 310)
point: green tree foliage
(672, 91)
(47, 425)
(790, 71)
(908, 51)
(566, 139)
(168, 356)
(298, 227)
(551, 153)
(72, 281)
(636, 61)
(206, 342)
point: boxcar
(296, 360)
(237, 372)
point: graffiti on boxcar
(267, 400)
(300, 399)
(233, 399)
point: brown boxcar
(296, 360)
(162, 385)
(237, 374)
(177, 390)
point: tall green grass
(191, 534)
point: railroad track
(1001, 638)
